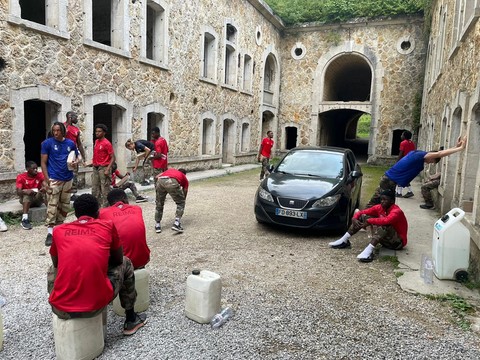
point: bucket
(78, 339)
(451, 246)
(203, 295)
(143, 293)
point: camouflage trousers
(101, 185)
(164, 186)
(36, 199)
(426, 190)
(130, 185)
(264, 171)
(385, 235)
(58, 201)
(122, 278)
(385, 184)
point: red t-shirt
(128, 220)
(267, 144)
(177, 175)
(102, 152)
(73, 132)
(83, 250)
(161, 147)
(394, 216)
(25, 182)
(406, 146)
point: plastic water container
(78, 339)
(203, 296)
(451, 246)
(143, 293)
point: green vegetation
(329, 11)
(459, 305)
(371, 178)
(392, 259)
(363, 126)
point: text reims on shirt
(123, 213)
(76, 232)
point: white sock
(50, 230)
(177, 220)
(24, 216)
(409, 189)
(343, 239)
(366, 252)
(158, 224)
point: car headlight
(265, 195)
(328, 201)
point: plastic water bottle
(422, 265)
(428, 274)
(221, 318)
(2, 301)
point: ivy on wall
(329, 11)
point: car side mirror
(354, 175)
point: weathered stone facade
(451, 107)
(210, 80)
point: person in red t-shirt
(30, 191)
(175, 183)
(128, 220)
(103, 159)
(264, 153)
(160, 157)
(73, 133)
(406, 146)
(125, 184)
(390, 227)
(89, 269)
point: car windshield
(313, 163)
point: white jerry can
(451, 246)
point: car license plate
(291, 213)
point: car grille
(294, 204)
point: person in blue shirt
(58, 176)
(408, 167)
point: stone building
(214, 76)
(451, 107)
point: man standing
(390, 227)
(406, 146)
(73, 133)
(264, 153)
(90, 268)
(405, 170)
(30, 191)
(103, 159)
(160, 157)
(128, 221)
(175, 183)
(57, 176)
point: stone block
(37, 214)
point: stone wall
(397, 75)
(451, 105)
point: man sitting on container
(30, 191)
(389, 227)
(128, 221)
(90, 268)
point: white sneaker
(3, 226)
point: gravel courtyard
(293, 296)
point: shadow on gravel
(300, 233)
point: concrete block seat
(79, 339)
(143, 293)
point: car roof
(322, 148)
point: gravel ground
(293, 297)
